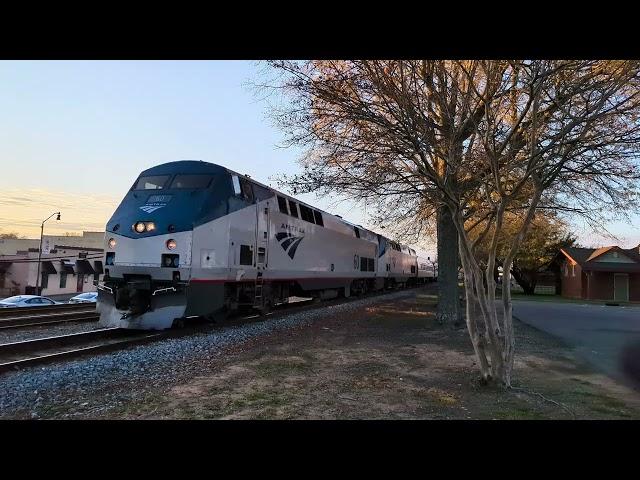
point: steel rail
(34, 321)
(44, 350)
(37, 310)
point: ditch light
(170, 260)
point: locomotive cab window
(363, 264)
(367, 264)
(152, 182)
(282, 203)
(236, 185)
(191, 181)
(318, 217)
(357, 230)
(293, 208)
(306, 213)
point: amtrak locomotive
(194, 239)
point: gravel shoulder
(373, 358)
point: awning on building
(97, 266)
(67, 267)
(48, 268)
(613, 267)
(84, 267)
(4, 266)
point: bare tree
(8, 235)
(476, 138)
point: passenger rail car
(427, 270)
(192, 238)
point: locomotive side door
(262, 234)
(262, 299)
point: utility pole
(40, 250)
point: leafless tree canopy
(479, 137)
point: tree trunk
(526, 279)
(509, 339)
(448, 301)
(476, 327)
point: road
(607, 337)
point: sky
(74, 135)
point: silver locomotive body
(214, 241)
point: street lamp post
(40, 250)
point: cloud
(23, 210)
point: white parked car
(89, 297)
(26, 301)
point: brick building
(70, 265)
(607, 273)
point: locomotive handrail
(104, 287)
(162, 290)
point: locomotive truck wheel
(265, 309)
(178, 323)
(219, 316)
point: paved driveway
(607, 337)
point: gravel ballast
(11, 335)
(88, 386)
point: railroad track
(33, 320)
(43, 310)
(51, 349)
(28, 353)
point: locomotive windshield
(153, 182)
(191, 181)
(157, 182)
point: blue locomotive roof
(173, 209)
(185, 167)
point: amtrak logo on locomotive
(152, 207)
(155, 202)
(292, 228)
(289, 242)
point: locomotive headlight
(112, 243)
(168, 261)
(171, 244)
(150, 226)
(139, 227)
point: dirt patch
(388, 361)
